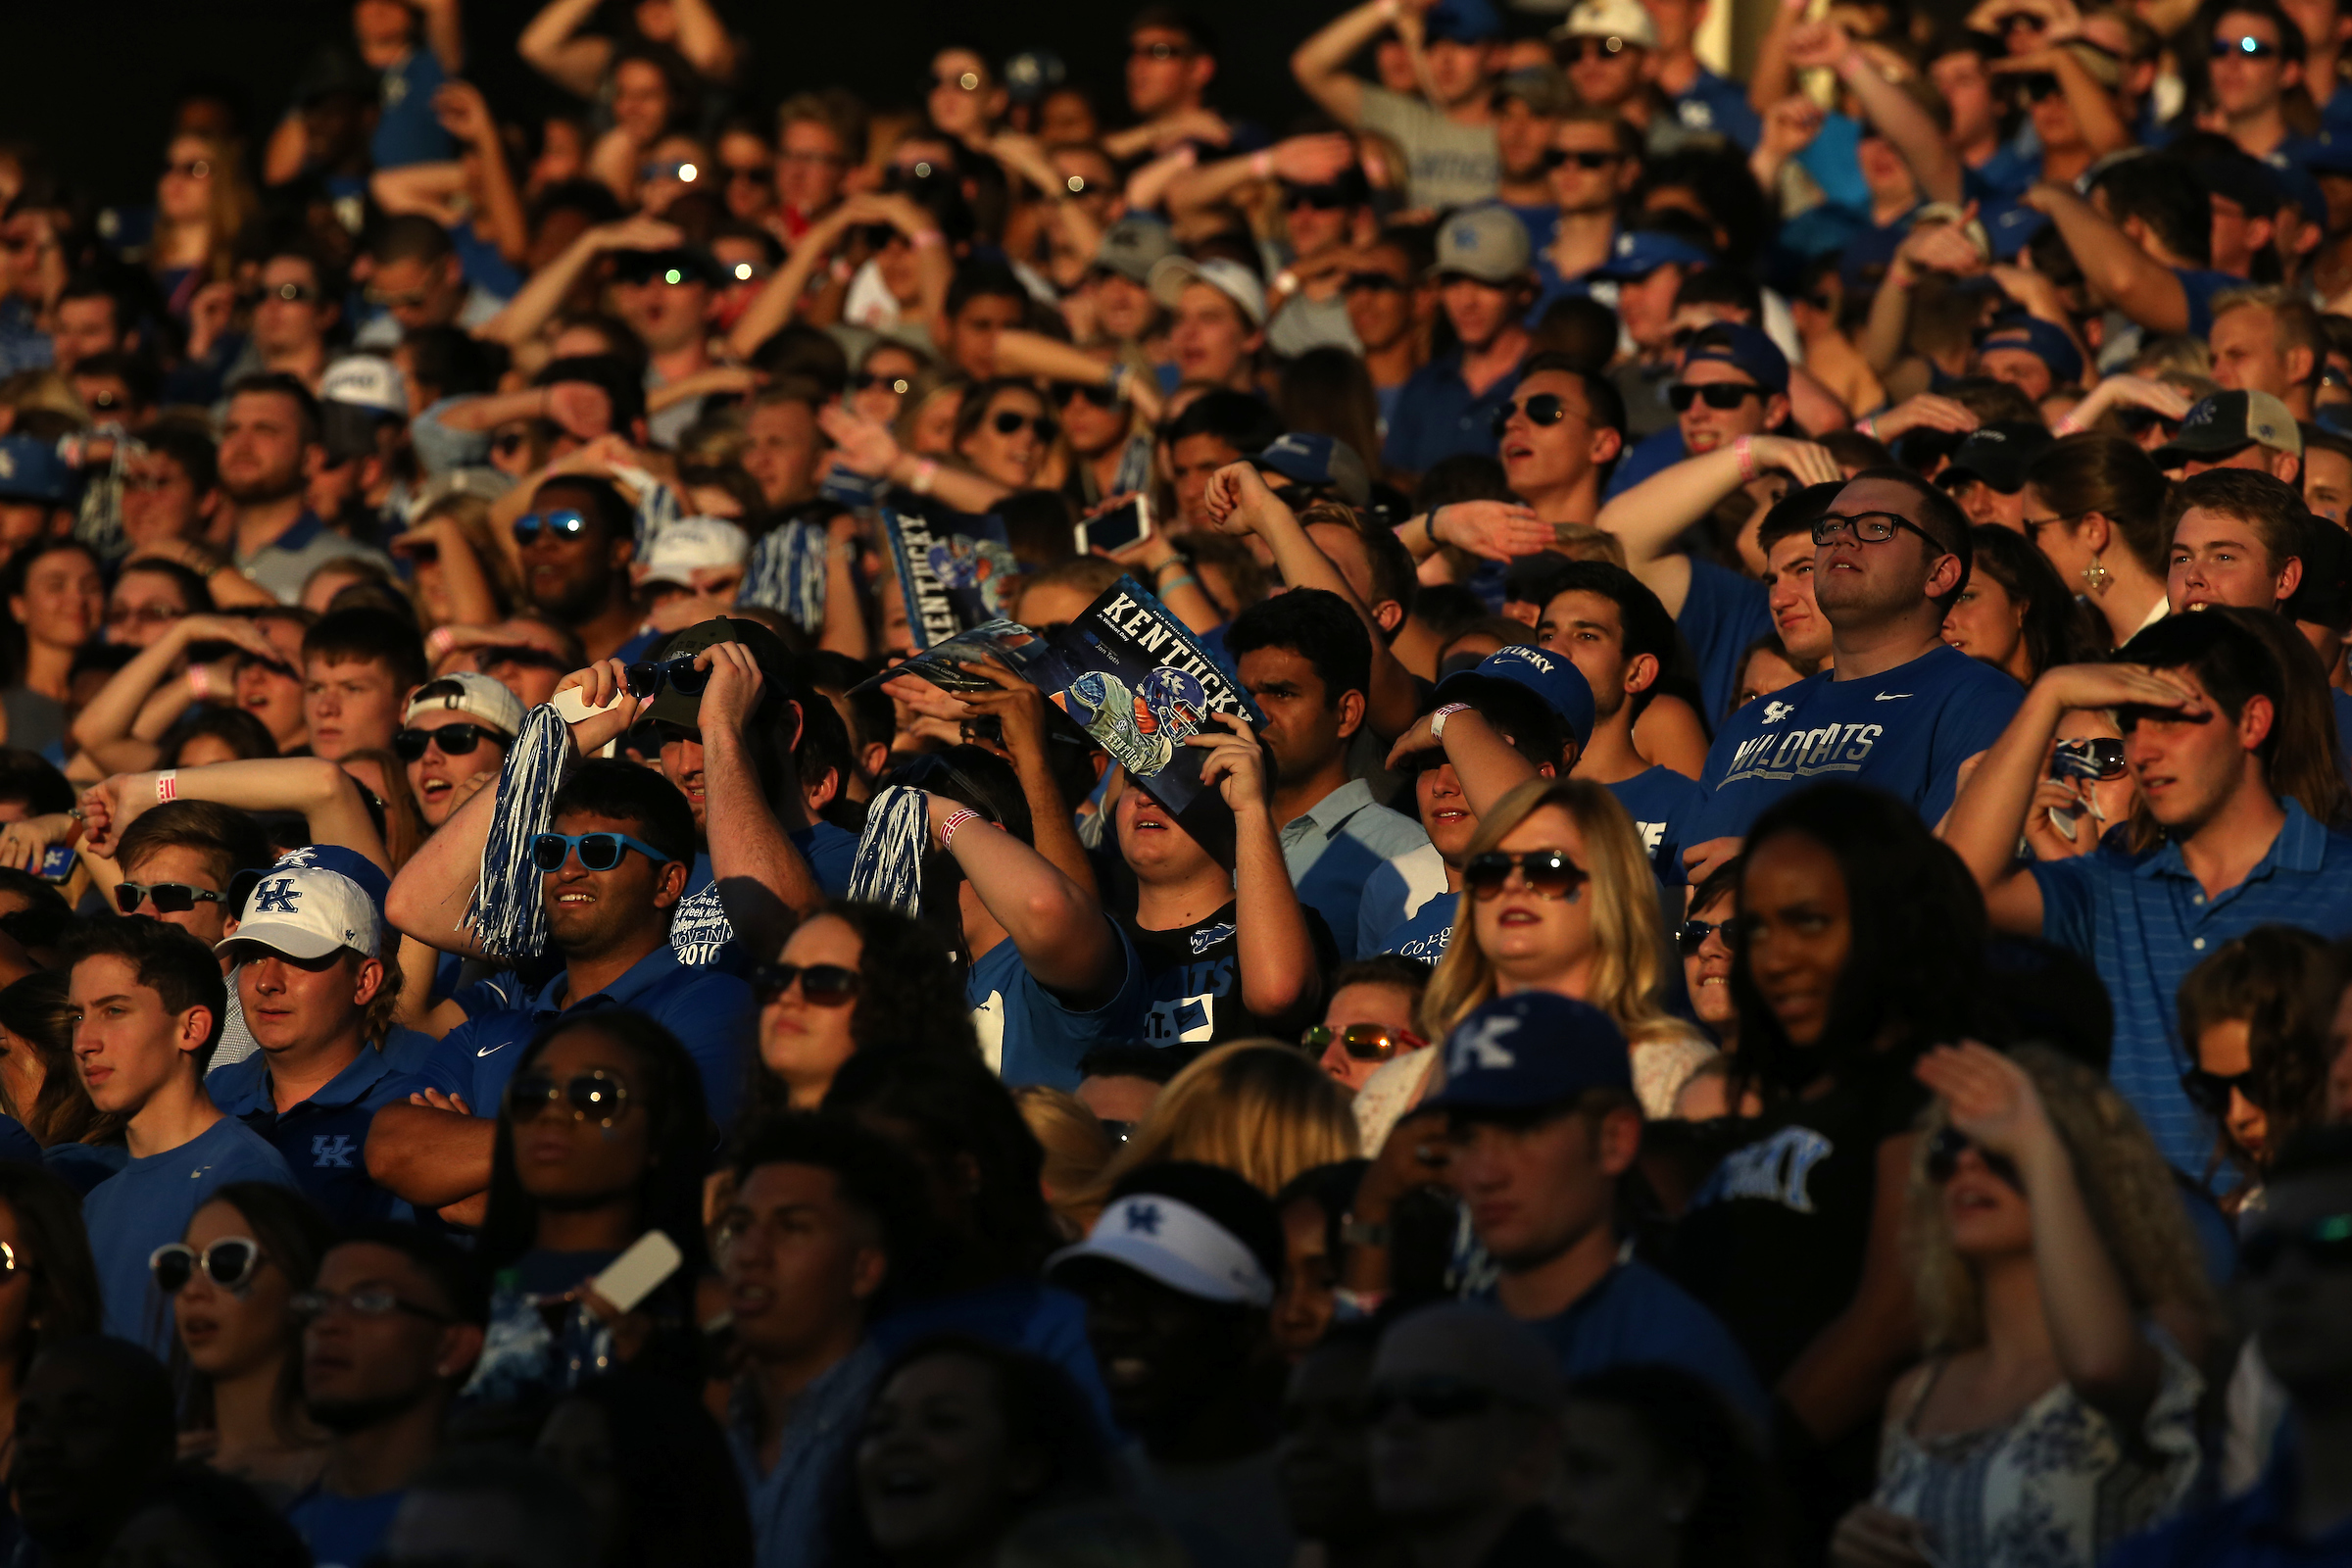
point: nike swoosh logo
(1892, 697)
(487, 1050)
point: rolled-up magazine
(956, 572)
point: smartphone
(1114, 530)
(57, 862)
(638, 1272)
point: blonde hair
(1258, 1108)
(1076, 1148)
(1628, 934)
(471, 513)
(2126, 1187)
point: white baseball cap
(364, 381)
(1164, 1239)
(1625, 20)
(307, 911)
(478, 695)
(1172, 274)
(687, 545)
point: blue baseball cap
(32, 471)
(1461, 21)
(2010, 228)
(1320, 460)
(2039, 338)
(1532, 1050)
(1748, 349)
(1550, 675)
(1643, 251)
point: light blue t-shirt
(148, 1203)
(1031, 1036)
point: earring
(2096, 578)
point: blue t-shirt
(1905, 732)
(1030, 1035)
(1424, 934)
(148, 1205)
(1663, 804)
(1437, 417)
(1712, 103)
(324, 1138)
(17, 1144)
(1637, 1314)
(82, 1166)
(407, 131)
(343, 1531)
(1723, 614)
(2201, 284)
(712, 1015)
(1651, 456)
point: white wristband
(1436, 720)
(167, 784)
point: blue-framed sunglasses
(565, 524)
(646, 676)
(598, 852)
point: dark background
(93, 85)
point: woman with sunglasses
(1560, 898)
(851, 977)
(203, 201)
(602, 1136)
(454, 731)
(1004, 433)
(2258, 1018)
(48, 1282)
(231, 1280)
(2063, 1304)
(886, 373)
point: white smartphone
(638, 1272)
(571, 706)
(1114, 530)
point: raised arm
(2112, 261)
(772, 308)
(473, 598)
(445, 33)
(1059, 927)
(327, 797)
(1649, 517)
(764, 885)
(1277, 968)
(1901, 121)
(2094, 110)
(703, 40)
(1487, 764)
(1313, 160)
(1321, 63)
(111, 714)
(1771, 79)
(845, 630)
(867, 446)
(465, 114)
(538, 301)
(550, 43)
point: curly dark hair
(910, 998)
(37, 1011)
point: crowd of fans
(1766, 980)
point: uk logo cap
(1488, 243)
(308, 912)
(1634, 256)
(1164, 1239)
(2227, 421)
(1550, 675)
(1528, 1050)
(1320, 460)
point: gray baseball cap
(1132, 245)
(1488, 243)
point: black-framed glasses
(455, 740)
(2325, 1242)
(648, 677)
(565, 524)
(374, 1300)
(168, 897)
(2098, 756)
(823, 985)
(1545, 409)
(2243, 47)
(598, 852)
(1365, 1042)
(1950, 1142)
(1377, 283)
(1871, 529)
(1432, 1396)
(2209, 1091)
(1692, 934)
(592, 1096)
(1010, 421)
(228, 1261)
(1570, 50)
(1715, 394)
(1549, 872)
(1590, 160)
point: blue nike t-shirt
(1905, 732)
(1031, 1036)
(149, 1202)
(1663, 804)
(1425, 933)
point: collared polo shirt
(1334, 849)
(285, 562)
(2144, 921)
(1437, 417)
(792, 1504)
(324, 1138)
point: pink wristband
(1744, 450)
(1868, 425)
(167, 784)
(1436, 720)
(957, 819)
(1261, 164)
(438, 642)
(200, 681)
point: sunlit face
(2219, 559)
(224, 1332)
(1789, 593)
(2243, 83)
(1986, 623)
(64, 600)
(1706, 427)
(1707, 972)
(1209, 338)
(800, 1042)
(350, 707)
(809, 166)
(1798, 931)
(1390, 1007)
(2185, 766)
(1535, 941)
(1595, 172)
(2328, 483)
(1478, 312)
(1012, 438)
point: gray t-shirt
(1447, 165)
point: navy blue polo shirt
(712, 1014)
(2144, 921)
(324, 1138)
(1636, 1314)
(1437, 417)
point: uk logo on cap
(1478, 1046)
(1465, 236)
(1625, 244)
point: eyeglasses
(648, 677)
(1950, 1143)
(1545, 409)
(2243, 47)
(1692, 934)
(598, 852)
(1378, 282)
(1322, 198)
(1549, 872)
(2037, 85)
(230, 1263)
(2101, 757)
(373, 1300)
(411, 300)
(1365, 1042)
(1158, 51)
(863, 382)
(142, 615)
(291, 293)
(961, 82)
(1007, 422)
(685, 173)
(2325, 1242)
(1715, 394)
(1431, 1396)
(555, 524)
(593, 1096)
(1102, 397)
(1870, 528)
(1585, 158)
(455, 740)
(2209, 1091)
(191, 168)
(168, 897)
(823, 985)
(1572, 50)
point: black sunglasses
(2243, 47)
(2325, 1242)
(1102, 397)
(1549, 872)
(1379, 283)
(1715, 394)
(555, 524)
(455, 740)
(2035, 85)
(1950, 1143)
(1692, 934)
(595, 1095)
(1545, 408)
(863, 381)
(823, 985)
(1583, 158)
(1007, 422)
(1322, 198)
(647, 678)
(170, 898)
(2209, 1091)
(230, 1263)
